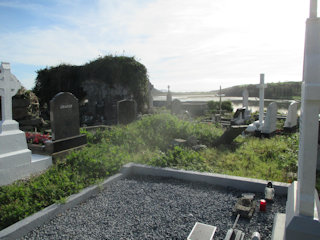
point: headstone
(176, 107)
(261, 87)
(270, 123)
(245, 103)
(64, 116)
(292, 117)
(257, 125)
(16, 161)
(127, 111)
(303, 206)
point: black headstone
(64, 116)
(127, 111)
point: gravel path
(155, 208)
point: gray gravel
(155, 208)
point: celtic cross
(9, 86)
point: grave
(65, 123)
(269, 126)
(16, 161)
(301, 220)
(257, 125)
(176, 107)
(291, 122)
(245, 104)
(127, 111)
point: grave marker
(64, 116)
(176, 107)
(16, 161)
(65, 123)
(303, 206)
(245, 99)
(292, 117)
(270, 123)
(261, 87)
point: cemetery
(97, 158)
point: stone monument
(270, 122)
(65, 123)
(16, 161)
(127, 111)
(301, 220)
(292, 118)
(176, 107)
(245, 104)
(257, 125)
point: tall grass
(148, 141)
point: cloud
(190, 45)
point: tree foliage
(112, 70)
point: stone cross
(245, 97)
(261, 87)
(9, 86)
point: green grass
(148, 141)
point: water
(236, 101)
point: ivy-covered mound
(111, 70)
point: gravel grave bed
(156, 208)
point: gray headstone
(64, 116)
(127, 111)
(176, 107)
(270, 122)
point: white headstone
(292, 117)
(245, 98)
(303, 206)
(15, 158)
(261, 87)
(270, 122)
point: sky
(187, 44)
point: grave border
(21, 228)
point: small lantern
(263, 205)
(269, 192)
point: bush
(215, 106)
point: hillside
(281, 90)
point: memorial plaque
(64, 116)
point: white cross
(9, 86)
(261, 87)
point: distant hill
(281, 90)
